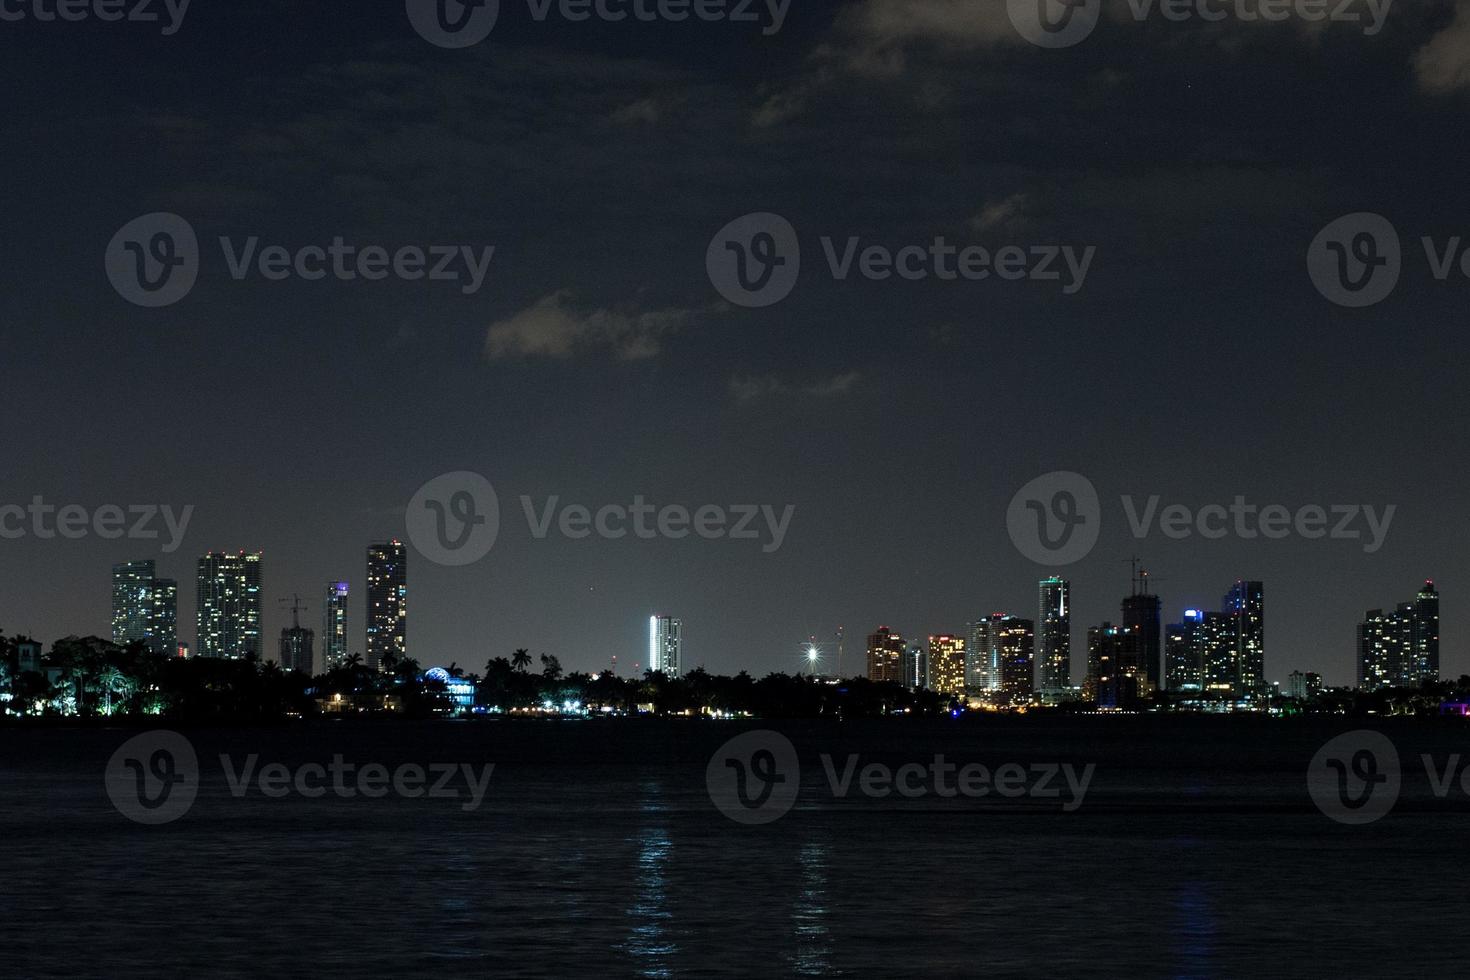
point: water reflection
(650, 937)
(1194, 935)
(809, 916)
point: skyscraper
(334, 626)
(1054, 633)
(387, 603)
(947, 664)
(885, 656)
(1000, 658)
(916, 666)
(982, 670)
(1142, 635)
(1400, 648)
(229, 605)
(1184, 653)
(132, 602)
(666, 645)
(1015, 641)
(163, 618)
(296, 649)
(1245, 604)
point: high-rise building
(1000, 658)
(1015, 641)
(1184, 653)
(1303, 686)
(885, 656)
(387, 603)
(132, 602)
(1103, 683)
(982, 669)
(1054, 633)
(296, 649)
(666, 645)
(916, 666)
(947, 664)
(1245, 604)
(334, 626)
(1400, 648)
(1426, 632)
(164, 618)
(229, 606)
(1143, 633)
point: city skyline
(1169, 656)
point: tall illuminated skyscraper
(1054, 633)
(229, 605)
(666, 645)
(947, 664)
(163, 618)
(1400, 648)
(132, 602)
(1245, 604)
(387, 602)
(885, 656)
(1142, 652)
(1000, 658)
(334, 626)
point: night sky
(598, 362)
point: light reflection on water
(809, 917)
(649, 940)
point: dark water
(1197, 852)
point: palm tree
(353, 660)
(550, 667)
(521, 659)
(454, 669)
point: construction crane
(296, 607)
